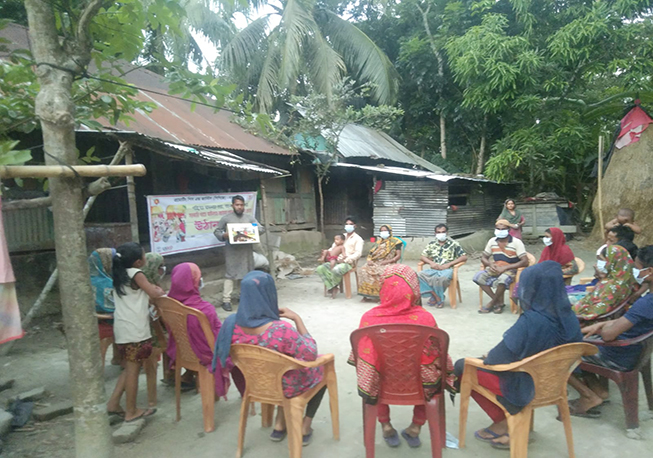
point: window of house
(459, 195)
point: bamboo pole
(61, 171)
(131, 198)
(600, 182)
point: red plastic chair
(628, 382)
(399, 348)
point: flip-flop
(413, 442)
(307, 438)
(498, 309)
(485, 310)
(278, 436)
(488, 432)
(145, 414)
(500, 445)
(392, 441)
(117, 413)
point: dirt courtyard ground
(40, 359)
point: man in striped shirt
(502, 256)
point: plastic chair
(106, 337)
(581, 266)
(263, 370)
(628, 382)
(175, 315)
(453, 286)
(550, 371)
(403, 249)
(514, 306)
(399, 348)
(346, 280)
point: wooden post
(600, 180)
(264, 198)
(131, 197)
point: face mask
(441, 237)
(201, 283)
(547, 241)
(600, 266)
(384, 234)
(349, 228)
(636, 273)
(501, 233)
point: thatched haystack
(628, 183)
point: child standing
(131, 328)
(331, 255)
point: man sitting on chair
(502, 256)
(637, 321)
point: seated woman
(616, 283)
(185, 284)
(400, 301)
(557, 250)
(622, 236)
(387, 250)
(547, 322)
(258, 322)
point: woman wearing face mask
(347, 261)
(556, 249)
(185, 284)
(615, 269)
(387, 250)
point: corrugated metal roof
(413, 173)
(173, 120)
(360, 141)
(204, 156)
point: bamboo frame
(61, 171)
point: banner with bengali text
(186, 222)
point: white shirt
(131, 319)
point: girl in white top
(131, 325)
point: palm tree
(310, 45)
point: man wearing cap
(502, 256)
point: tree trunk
(481, 150)
(55, 109)
(319, 189)
(443, 137)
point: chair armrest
(478, 363)
(598, 341)
(320, 361)
(585, 280)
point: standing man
(440, 256)
(239, 258)
(503, 255)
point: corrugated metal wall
(29, 229)
(412, 208)
(482, 210)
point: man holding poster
(239, 257)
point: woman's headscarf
(614, 289)
(558, 251)
(505, 213)
(547, 320)
(185, 285)
(400, 304)
(100, 263)
(384, 247)
(153, 262)
(258, 306)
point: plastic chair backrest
(531, 259)
(263, 370)
(399, 349)
(550, 370)
(175, 315)
(581, 265)
(403, 249)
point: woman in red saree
(400, 303)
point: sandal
(574, 410)
(488, 432)
(413, 442)
(392, 441)
(500, 445)
(485, 310)
(145, 414)
(307, 438)
(278, 436)
(498, 309)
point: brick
(53, 411)
(5, 422)
(128, 432)
(6, 383)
